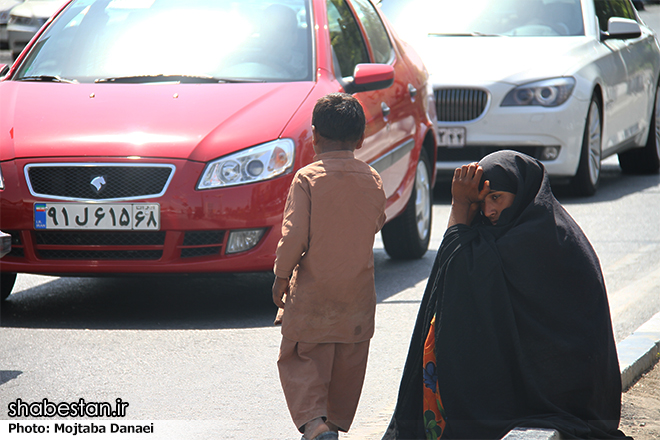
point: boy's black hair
(340, 117)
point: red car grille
(105, 245)
(74, 181)
(117, 245)
(99, 255)
(101, 238)
(202, 243)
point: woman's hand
(465, 185)
(466, 197)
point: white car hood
(512, 60)
(6, 5)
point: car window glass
(255, 40)
(376, 33)
(606, 9)
(484, 18)
(347, 42)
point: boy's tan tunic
(334, 209)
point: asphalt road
(197, 355)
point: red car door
(358, 36)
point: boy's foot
(317, 429)
(327, 435)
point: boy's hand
(280, 288)
(278, 317)
(465, 185)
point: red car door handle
(385, 109)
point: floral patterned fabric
(434, 412)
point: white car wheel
(587, 178)
(645, 160)
(423, 200)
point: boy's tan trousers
(322, 380)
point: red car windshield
(137, 41)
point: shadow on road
(7, 375)
(614, 185)
(174, 302)
(166, 302)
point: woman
(514, 327)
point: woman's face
(496, 202)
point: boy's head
(338, 122)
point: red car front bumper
(195, 228)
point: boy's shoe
(327, 435)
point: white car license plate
(452, 136)
(108, 216)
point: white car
(5, 7)
(569, 82)
(26, 19)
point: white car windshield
(137, 41)
(475, 18)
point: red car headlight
(247, 166)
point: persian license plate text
(139, 216)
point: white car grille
(457, 105)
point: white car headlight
(252, 165)
(546, 93)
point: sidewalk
(640, 403)
(640, 407)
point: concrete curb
(532, 434)
(639, 351)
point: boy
(325, 267)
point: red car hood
(192, 121)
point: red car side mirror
(368, 77)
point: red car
(161, 136)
